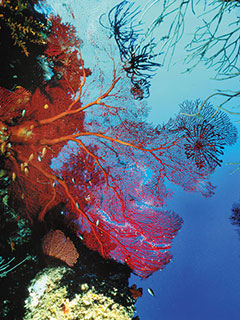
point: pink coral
(55, 244)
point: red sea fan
(35, 127)
(104, 180)
(99, 158)
(123, 219)
(139, 235)
(62, 53)
(123, 215)
(31, 141)
(62, 39)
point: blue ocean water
(202, 282)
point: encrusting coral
(51, 297)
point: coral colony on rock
(99, 161)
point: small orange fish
(12, 245)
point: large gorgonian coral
(112, 176)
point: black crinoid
(204, 134)
(138, 60)
(139, 66)
(203, 145)
(122, 26)
(136, 57)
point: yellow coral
(25, 32)
(87, 303)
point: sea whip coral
(55, 244)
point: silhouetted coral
(235, 217)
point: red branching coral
(63, 53)
(55, 244)
(34, 128)
(112, 176)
